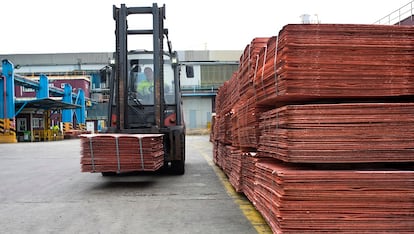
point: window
(27, 90)
(215, 75)
(21, 124)
(37, 122)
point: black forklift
(145, 87)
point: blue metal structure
(7, 88)
(43, 91)
(80, 112)
(7, 112)
(67, 98)
(8, 104)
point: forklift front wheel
(109, 173)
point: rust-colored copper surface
(320, 61)
(338, 99)
(297, 199)
(339, 133)
(235, 175)
(121, 152)
(248, 65)
(248, 172)
(249, 160)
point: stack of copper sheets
(248, 122)
(338, 99)
(233, 90)
(249, 173)
(215, 153)
(297, 199)
(219, 154)
(339, 133)
(224, 105)
(235, 126)
(121, 152)
(336, 61)
(235, 176)
(223, 158)
(227, 159)
(248, 64)
(249, 160)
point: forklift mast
(160, 112)
(122, 86)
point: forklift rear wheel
(178, 167)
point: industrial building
(87, 72)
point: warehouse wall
(197, 112)
(190, 82)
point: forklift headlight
(174, 60)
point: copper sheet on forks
(121, 152)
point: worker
(146, 86)
(56, 128)
(136, 76)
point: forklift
(145, 87)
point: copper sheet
(249, 160)
(300, 198)
(336, 61)
(248, 64)
(235, 175)
(223, 114)
(339, 133)
(121, 152)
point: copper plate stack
(249, 171)
(339, 133)
(121, 152)
(340, 100)
(249, 161)
(297, 199)
(337, 61)
(248, 64)
(227, 159)
(235, 176)
(248, 120)
(224, 121)
(219, 154)
(223, 157)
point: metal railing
(398, 15)
(200, 88)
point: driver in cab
(146, 86)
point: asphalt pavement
(43, 191)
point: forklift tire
(178, 167)
(109, 173)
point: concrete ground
(43, 191)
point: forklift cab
(141, 80)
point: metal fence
(396, 17)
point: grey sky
(52, 26)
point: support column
(43, 91)
(67, 114)
(81, 112)
(7, 114)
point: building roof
(45, 104)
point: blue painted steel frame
(43, 91)
(67, 98)
(7, 108)
(80, 112)
(8, 83)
